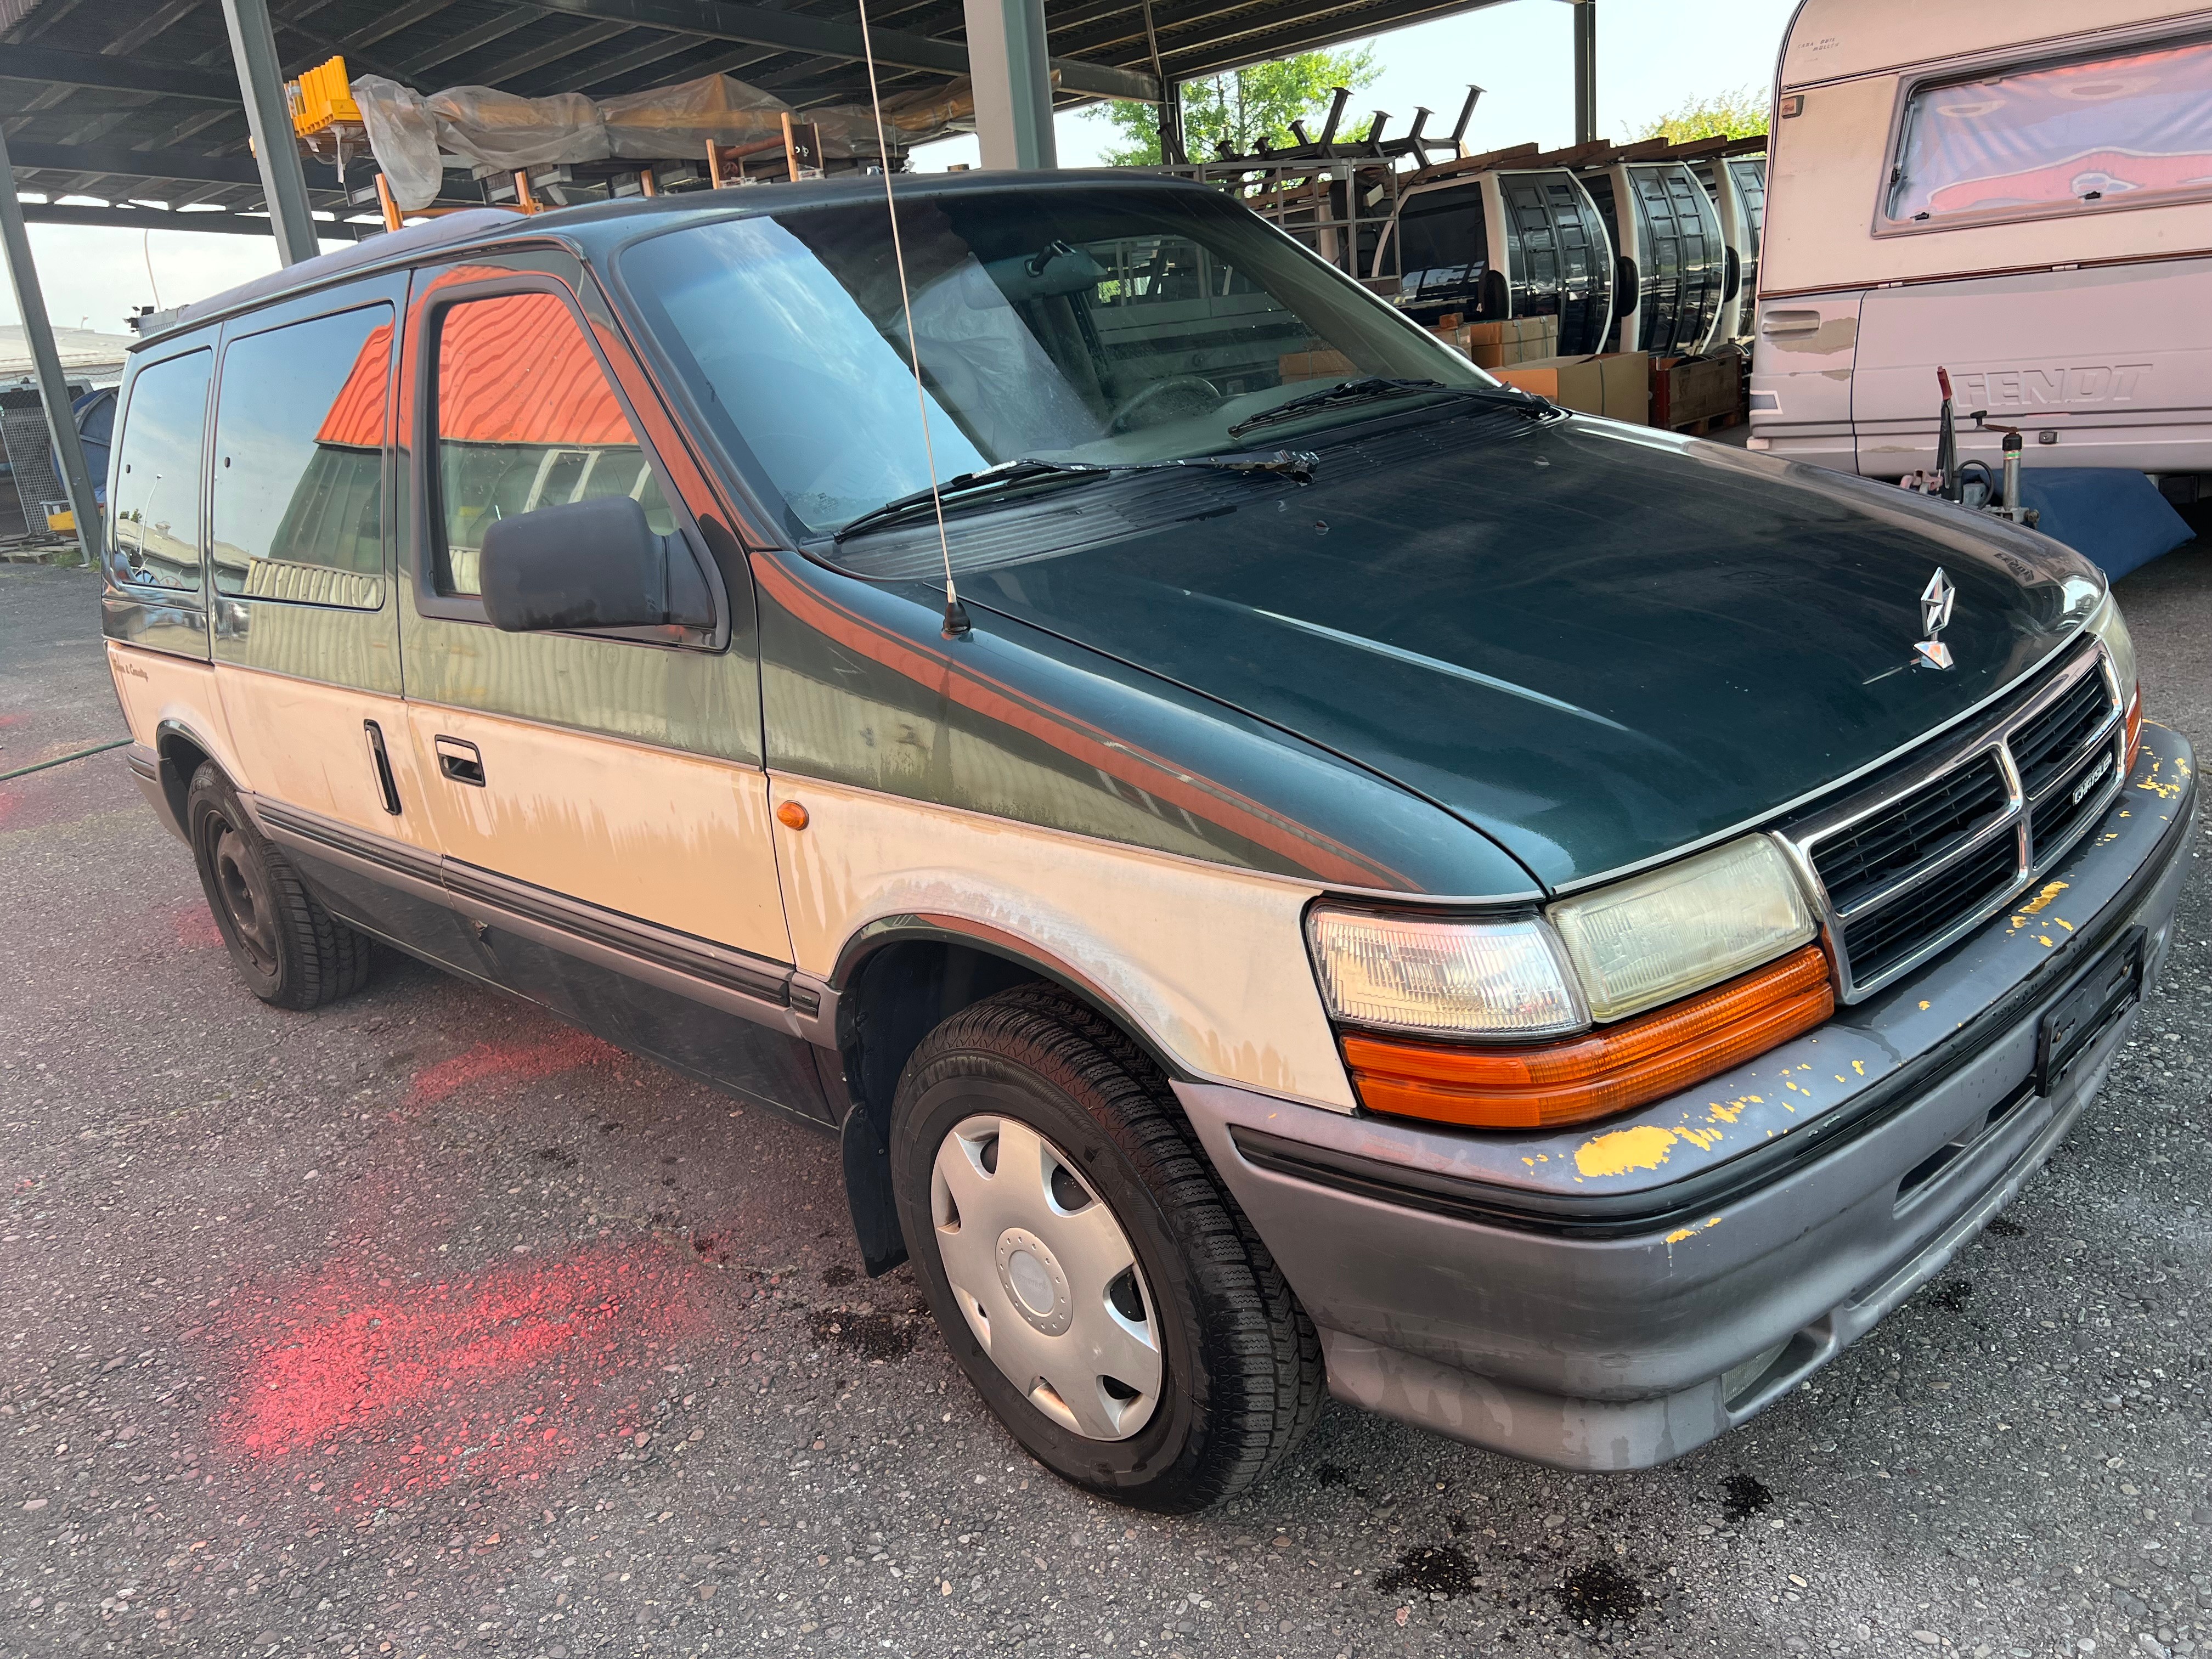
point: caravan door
(2110, 367)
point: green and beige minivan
(1541, 928)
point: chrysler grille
(1949, 838)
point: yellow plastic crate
(321, 98)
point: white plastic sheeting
(499, 131)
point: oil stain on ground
(1599, 1592)
(1743, 1496)
(1443, 1570)
(865, 1332)
(1952, 1298)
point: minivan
(1321, 873)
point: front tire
(291, 952)
(1092, 1277)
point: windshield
(1095, 324)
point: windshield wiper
(1297, 464)
(1370, 388)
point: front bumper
(1597, 1322)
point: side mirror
(589, 564)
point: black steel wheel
(1089, 1273)
(293, 953)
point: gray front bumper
(1618, 1329)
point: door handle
(384, 783)
(459, 760)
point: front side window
(2133, 124)
(1092, 324)
(300, 440)
(156, 520)
(526, 419)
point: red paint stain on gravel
(371, 1392)
(493, 1065)
(193, 926)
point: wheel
(1090, 1274)
(293, 953)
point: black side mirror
(589, 564)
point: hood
(1594, 643)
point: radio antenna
(956, 614)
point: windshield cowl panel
(1090, 325)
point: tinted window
(299, 461)
(1443, 249)
(526, 419)
(1087, 323)
(2134, 124)
(157, 481)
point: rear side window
(300, 440)
(2034, 141)
(526, 419)
(156, 520)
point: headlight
(1452, 979)
(1735, 914)
(1654, 938)
(2108, 626)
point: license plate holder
(2112, 984)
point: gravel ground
(423, 1326)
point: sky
(1651, 60)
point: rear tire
(1236, 1381)
(292, 951)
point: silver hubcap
(1046, 1278)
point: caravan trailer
(2021, 194)
(1505, 243)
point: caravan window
(300, 439)
(2024, 145)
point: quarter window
(2037, 141)
(156, 520)
(300, 440)
(526, 419)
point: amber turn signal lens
(2135, 730)
(1544, 1084)
(792, 816)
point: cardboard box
(1494, 345)
(1315, 366)
(1687, 390)
(1615, 384)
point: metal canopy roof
(138, 102)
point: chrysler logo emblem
(1936, 601)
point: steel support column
(1012, 74)
(1585, 12)
(53, 386)
(269, 117)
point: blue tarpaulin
(2112, 516)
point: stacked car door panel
(581, 781)
(1672, 268)
(1508, 243)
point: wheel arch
(897, 979)
(180, 752)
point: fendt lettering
(2086, 383)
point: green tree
(1737, 113)
(1245, 105)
